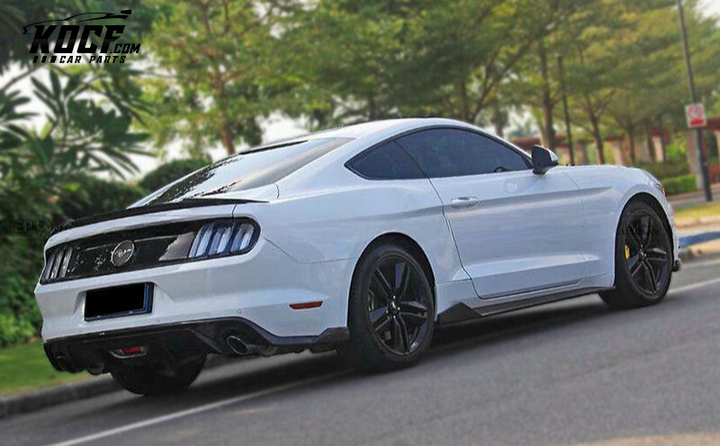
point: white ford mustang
(360, 239)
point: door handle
(464, 202)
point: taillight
(224, 237)
(57, 263)
(153, 246)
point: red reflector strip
(128, 351)
(306, 305)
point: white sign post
(695, 114)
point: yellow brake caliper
(627, 252)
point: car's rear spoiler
(143, 210)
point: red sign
(695, 114)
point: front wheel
(156, 380)
(391, 312)
(643, 259)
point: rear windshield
(250, 169)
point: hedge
(680, 185)
(673, 168)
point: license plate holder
(118, 301)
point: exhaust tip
(237, 345)
(63, 363)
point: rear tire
(391, 311)
(643, 259)
(149, 380)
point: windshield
(253, 168)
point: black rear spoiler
(144, 210)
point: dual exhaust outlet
(241, 348)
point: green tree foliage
(373, 60)
(216, 71)
(627, 73)
(536, 84)
(171, 171)
(602, 58)
(88, 115)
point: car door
(515, 231)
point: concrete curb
(65, 393)
(693, 222)
(53, 396)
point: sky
(712, 6)
(276, 127)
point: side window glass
(451, 152)
(386, 162)
(502, 158)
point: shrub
(171, 171)
(23, 237)
(673, 167)
(22, 261)
(680, 185)
(14, 330)
(677, 148)
(87, 195)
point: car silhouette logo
(122, 253)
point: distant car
(360, 239)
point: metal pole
(565, 105)
(702, 161)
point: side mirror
(543, 160)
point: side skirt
(462, 312)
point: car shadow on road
(249, 376)
(257, 375)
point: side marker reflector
(306, 305)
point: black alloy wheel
(398, 305)
(643, 258)
(647, 253)
(391, 313)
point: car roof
(370, 128)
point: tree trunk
(498, 120)
(663, 143)
(584, 150)
(631, 143)
(548, 130)
(227, 140)
(600, 147)
(649, 142)
(372, 108)
(597, 136)
(464, 102)
(226, 132)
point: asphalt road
(571, 373)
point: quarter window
(386, 162)
(452, 152)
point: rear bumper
(177, 343)
(259, 286)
